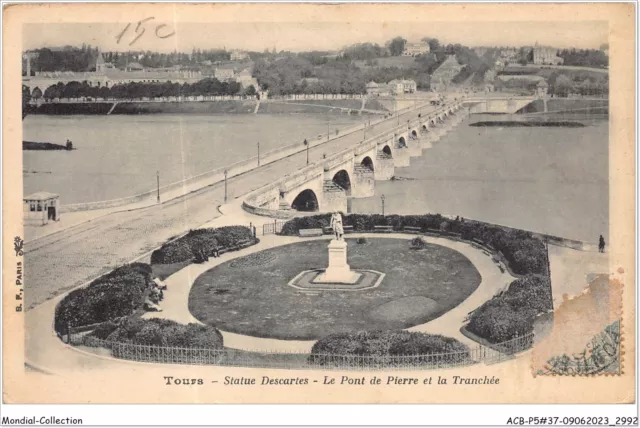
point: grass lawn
(250, 295)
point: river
(546, 179)
(118, 156)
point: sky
(293, 36)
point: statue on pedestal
(336, 225)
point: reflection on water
(118, 156)
(552, 180)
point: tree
(434, 44)
(396, 46)
(26, 97)
(36, 94)
(250, 91)
(562, 86)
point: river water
(118, 156)
(545, 179)
(551, 180)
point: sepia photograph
(306, 203)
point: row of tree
(135, 90)
(584, 57)
(84, 58)
(68, 58)
(562, 85)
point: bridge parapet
(320, 178)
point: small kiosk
(41, 207)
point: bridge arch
(414, 134)
(425, 128)
(387, 151)
(402, 142)
(306, 201)
(342, 179)
(367, 162)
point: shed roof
(40, 196)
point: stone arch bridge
(327, 185)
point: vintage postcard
(319, 203)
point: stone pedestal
(338, 270)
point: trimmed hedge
(117, 294)
(524, 253)
(200, 241)
(160, 332)
(512, 312)
(389, 347)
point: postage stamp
(308, 203)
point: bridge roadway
(59, 262)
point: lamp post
(382, 199)
(158, 184)
(258, 153)
(306, 143)
(225, 185)
(328, 132)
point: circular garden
(250, 295)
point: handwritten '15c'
(161, 31)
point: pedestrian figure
(601, 244)
(215, 252)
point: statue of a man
(336, 225)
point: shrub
(116, 294)
(166, 333)
(418, 243)
(292, 227)
(513, 312)
(103, 330)
(389, 348)
(361, 240)
(200, 241)
(524, 253)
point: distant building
(414, 49)
(108, 75)
(373, 88)
(509, 53)
(101, 65)
(541, 89)
(134, 66)
(544, 55)
(402, 86)
(246, 79)
(224, 74)
(237, 55)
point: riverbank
(530, 123)
(561, 105)
(337, 106)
